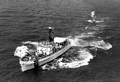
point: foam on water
(82, 59)
(79, 55)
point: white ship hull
(30, 65)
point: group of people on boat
(43, 49)
(33, 51)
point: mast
(51, 32)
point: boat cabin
(60, 41)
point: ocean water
(27, 20)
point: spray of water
(79, 55)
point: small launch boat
(94, 19)
(34, 54)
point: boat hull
(30, 65)
(55, 55)
(26, 65)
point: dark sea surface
(27, 20)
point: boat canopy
(59, 39)
(21, 51)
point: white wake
(81, 48)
